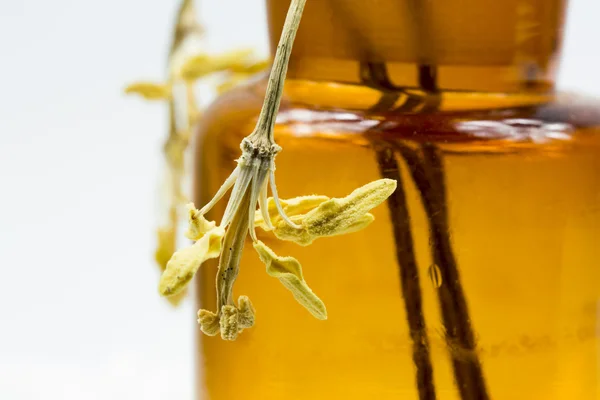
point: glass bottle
(479, 278)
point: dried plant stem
(266, 119)
(375, 75)
(427, 172)
(409, 275)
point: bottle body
(479, 277)
(521, 190)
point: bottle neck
(446, 45)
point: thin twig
(427, 171)
(409, 275)
(266, 119)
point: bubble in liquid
(435, 275)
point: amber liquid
(523, 222)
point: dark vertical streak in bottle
(375, 75)
(425, 45)
(373, 72)
(427, 172)
(409, 275)
(428, 77)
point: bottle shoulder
(457, 119)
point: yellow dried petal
(182, 267)
(201, 65)
(198, 225)
(149, 90)
(209, 322)
(292, 207)
(289, 272)
(336, 215)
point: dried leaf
(289, 272)
(165, 246)
(337, 215)
(304, 238)
(292, 207)
(319, 216)
(182, 267)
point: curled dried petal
(182, 267)
(209, 322)
(229, 322)
(149, 90)
(198, 225)
(289, 272)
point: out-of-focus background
(80, 317)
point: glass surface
(479, 277)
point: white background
(80, 317)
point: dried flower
(301, 219)
(330, 217)
(187, 63)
